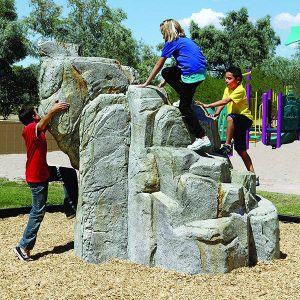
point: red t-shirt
(36, 146)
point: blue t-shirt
(187, 54)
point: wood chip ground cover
(56, 273)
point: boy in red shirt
(39, 174)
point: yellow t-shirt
(239, 103)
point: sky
(144, 16)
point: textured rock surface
(265, 230)
(102, 211)
(143, 195)
(65, 76)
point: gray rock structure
(144, 196)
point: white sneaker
(22, 254)
(176, 104)
(200, 143)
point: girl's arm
(162, 83)
(156, 69)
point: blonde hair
(171, 30)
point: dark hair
(236, 72)
(26, 113)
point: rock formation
(143, 195)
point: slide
(286, 138)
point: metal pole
(279, 119)
(264, 119)
(269, 115)
(255, 115)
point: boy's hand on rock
(59, 106)
(204, 105)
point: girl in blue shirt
(189, 72)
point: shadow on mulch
(56, 250)
(16, 211)
(283, 255)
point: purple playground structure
(287, 129)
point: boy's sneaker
(200, 143)
(225, 150)
(176, 103)
(22, 254)
(257, 181)
(70, 216)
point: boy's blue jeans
(39, 199)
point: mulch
(56, 273)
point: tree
(6, 88)
(146, 60)
(26, 90)
(45, 18)
(13, 48)
(297, 54)
(284, 70)
(239, 42)
(90, 23)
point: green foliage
(240, 42)
(261, 82)
(44, 18)
(6, 87)
(13, 42)
(26, 85)
(90, 23)
(18, 87)
(146, 60)
(285, 70)
(210, 90)
(297, 54)
(7, 10)
(286, 204)
(17, 194)
(13, 47)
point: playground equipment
(283, 130)
(287, 129)
(287, 122)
